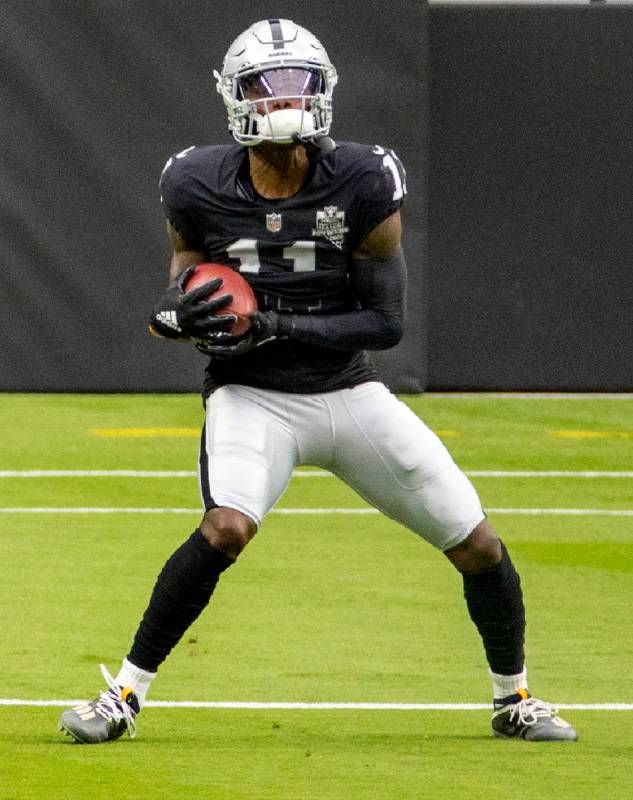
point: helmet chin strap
(317, 147)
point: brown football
(244, 302)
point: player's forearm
(380, 286)
(354, 330)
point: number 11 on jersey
(302, 255)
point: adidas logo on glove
(169, 319)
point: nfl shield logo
(273, 222)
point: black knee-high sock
(183, 589)
(495, 604)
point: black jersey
(295, 252)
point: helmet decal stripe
(278, 36)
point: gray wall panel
(531, 196)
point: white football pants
(254, 438)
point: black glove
(181, 314)
(265, 327)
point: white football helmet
(277, 83)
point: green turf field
(321, 608)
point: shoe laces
(111, 705)
(530, 710)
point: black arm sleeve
(379, 285)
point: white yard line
(96, 473)
(598, 512)
(548, 474)
(572, 512)
(532, 395)
(281, 706)
(131, 473)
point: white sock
(504, 685)
(139, 680)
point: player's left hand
(266, 326)
(181, 314)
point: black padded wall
(531, 198)
(530, 175)
(95, 96)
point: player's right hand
(179, 314)
(266, 326)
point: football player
(314, 226)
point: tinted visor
(283, 82)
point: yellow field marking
(593, 434)
(147, 433)
(138, 433)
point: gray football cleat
(521, 716)
(105, 718)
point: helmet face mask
(277, 83)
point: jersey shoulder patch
(378, 167)
(379, 184)
(194, 162)
(185, 175)
(393, 170)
